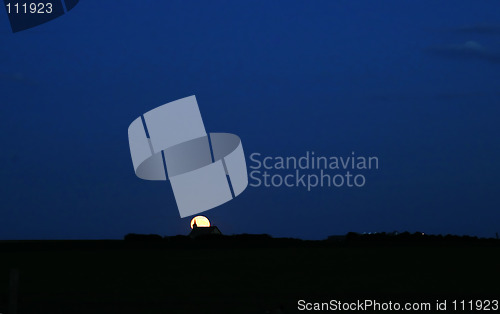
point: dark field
(153, 277)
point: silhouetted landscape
(240, 273)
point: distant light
(201, 221)
(423, 233)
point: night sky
(415, 83)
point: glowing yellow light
(201, 221)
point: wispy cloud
(16, 77)
(426, 96)
(478, 29)
(469, 50)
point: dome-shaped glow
(201, 221)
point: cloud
(479, 29)
(16, 77)
(426, 96)
(468, 50)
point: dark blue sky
(416, 83)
